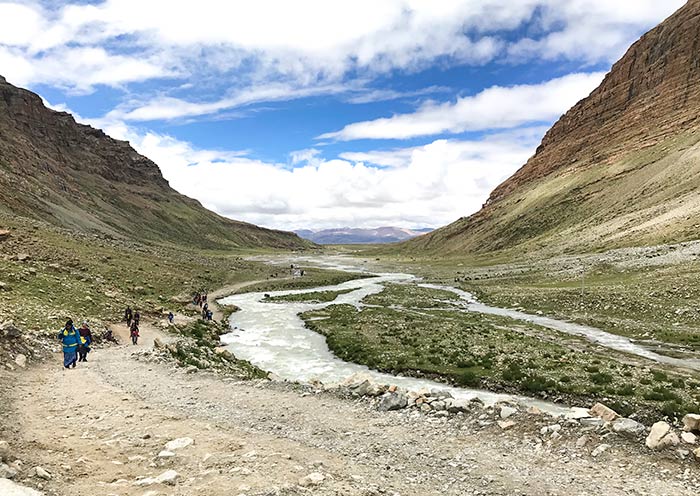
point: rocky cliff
(622, 167)
(75, 176)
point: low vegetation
(313, 297)
(421, 335)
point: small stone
(21, 360)
(4, 451)
(41, 473)
(689, 438)
(628, 427)
(506, 424)
(168, 477)
(7, 472)
(592, 422)
(166, 454)
(313, 479)
(393, 401)
(582, 441)
(599, 450)
(507, 411)
(602, 411)
(179, 443)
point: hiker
(71, 343)
(170, 317)
(137, 317)
(128, 316)
(205, 307)
(204, 298)
(85, 341)
(134, 332)
(209, 314)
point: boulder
(602, 411)
(4, 234)
(691, 422)
(9, 488)
(393, 401)
(661, 436)
(628, 427)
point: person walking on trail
(170, 317)
(128, 316)
(70, 338)
(137, 317)
(134, 332)
(85, 341)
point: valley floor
(98, 430)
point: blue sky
(313, 114)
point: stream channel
(273, 337)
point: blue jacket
(70, 339)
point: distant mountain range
(348, 235)
(620, 169)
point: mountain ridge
(75, 176)
(350, 235)
(620, 168)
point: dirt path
(99, 429)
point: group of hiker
(199, 299)
(132, 322)
(76, 343)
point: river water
(273, 337)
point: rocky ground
(123, 424)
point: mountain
(348, 235)
(74, 176)
(621, 168)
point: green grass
(313, 297)
(497, 353)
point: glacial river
(273, 337)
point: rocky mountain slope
(75, 176)
(621, 168)
(348, 235)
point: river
(273, 337)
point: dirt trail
(99, 429)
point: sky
(324, 113)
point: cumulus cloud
(428, 185)
(307, 42)
(494, 108)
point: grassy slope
(646, 198)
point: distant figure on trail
(128, 316)
(204, 298)
(86, 341)
(137, 317)
(134, 332)
(170, 317)
(70, 338)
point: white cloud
(167, 108)
(304, 43)
(430, 186)
(494, 108)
